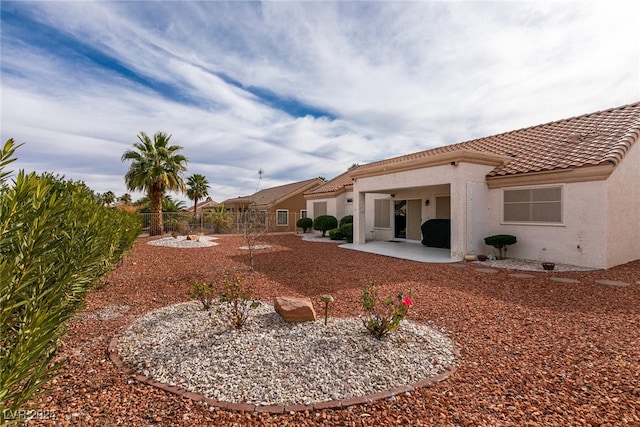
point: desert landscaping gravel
(533, 351)
(272, 362)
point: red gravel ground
(533, 351)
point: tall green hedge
(56, 241)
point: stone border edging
(112, 352)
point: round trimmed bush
(347, 219)
(324, 223)
(304, 223)
(347, 231)
(336, 234)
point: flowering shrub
(385, 316)
(235, 302)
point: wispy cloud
(299, 89)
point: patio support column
(359, 221)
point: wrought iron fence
(184, 222)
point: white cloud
(396, 77)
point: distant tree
(169, 204)
(197, 188)
(126, 199)
(156, 167)
(108, 198)
(353, 166)
(219, 218)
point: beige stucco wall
(623, 210)
(336, 206)
(581, 240)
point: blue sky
(297, 89)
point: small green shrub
(347, 232)
(383, 317)
(336, 234)
(236, 302)
(347, 219)
(304, 223)
(500, 242)
(203, 292)
(324, 223)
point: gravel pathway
(271, 362)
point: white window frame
(532, 222)
(278, 212)
(382, 220)
(303, 213)
(262, 217)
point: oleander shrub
(347, 219)
(325, 223)
(305, 224)
(57, 239)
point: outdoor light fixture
(426, 202)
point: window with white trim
(263, 217)
(282, 217)
(382, 213)
(303, 213)
(538, 205)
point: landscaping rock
(295, 309)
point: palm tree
(126, 199)
(108, 198)
(156, 167)
(197, 186)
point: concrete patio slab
(404, 249)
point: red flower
(407, 302)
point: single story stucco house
(569, 191)
(279, 207)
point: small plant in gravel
(203, 292)
(236, 302)
(383, 317)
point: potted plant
(548, 266)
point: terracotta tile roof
(272, 195)
(588, 140)
(203, 205)
(336, 184)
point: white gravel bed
(312, 237)
(529, 265)
(271, 362)
(246, 248)
(182, 242)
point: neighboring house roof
(592, 139)
(336, 185)
(204, 205)
(274, 195)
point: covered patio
(404, 249)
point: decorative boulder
(295, 309)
